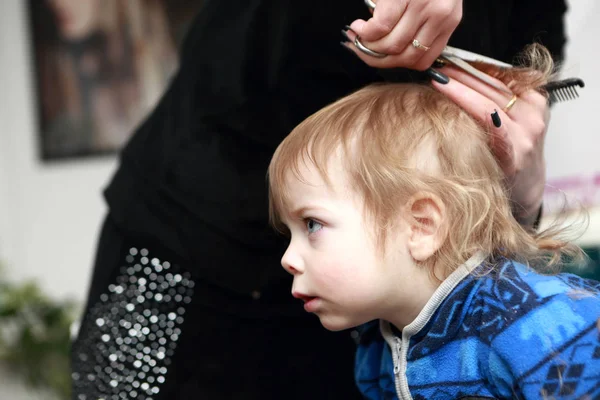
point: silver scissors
(461, 58)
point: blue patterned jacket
(513, 333)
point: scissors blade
(462, 64)
(473, 57)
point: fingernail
(347, 28)
(345, 34)
(437, 76)
(496, 119)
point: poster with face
(100, 66)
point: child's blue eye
(312, 225)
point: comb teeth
(563, 90)
(563, 94)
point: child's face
(340, 273)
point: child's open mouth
(310, 302)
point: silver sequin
(132, 332)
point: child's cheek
(330, 276)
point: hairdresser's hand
(394, 25)
(518, 142)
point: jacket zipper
(399, 355)
(399, 346)
(397, 361)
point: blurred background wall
(50, 213)
(573, 141)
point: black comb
(563, 90)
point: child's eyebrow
(303, 210)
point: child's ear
(426, 216)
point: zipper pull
(399, 351)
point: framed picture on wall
(100, 66)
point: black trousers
(151, 330)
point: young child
(400, 224)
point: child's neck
(425, 286)
(414, 302)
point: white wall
(573, 141)
(50, 213)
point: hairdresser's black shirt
(193, 176)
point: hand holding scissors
(410, 32)
(517, 128)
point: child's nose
(292, 262)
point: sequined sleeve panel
(129, 336)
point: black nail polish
(345, 34)
(496, 119)
(437, 76)
(347, 28)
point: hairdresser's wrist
(527, 193)
(529, 215)
(531, 220)
(527, 203)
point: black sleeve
(540, 21)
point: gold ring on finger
(417, 45)
(510, 104)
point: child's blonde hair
(381, 130)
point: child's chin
(335, 324)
